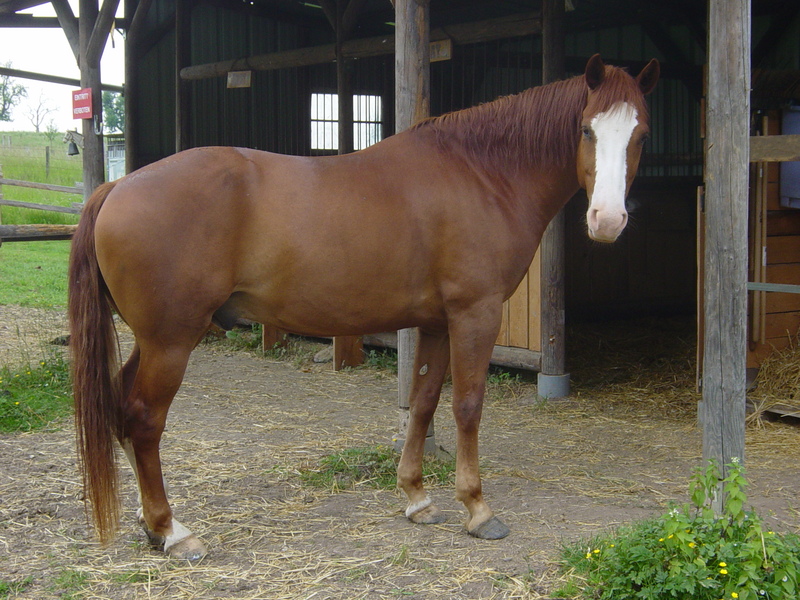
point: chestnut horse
(432, 228)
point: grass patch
(34, 274)
(11, 589)
(374, 467)
(69, 584)
(690, 553)
(33, 397)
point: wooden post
(93, 167)
(412, 104)
(553, 381)
(182, 57)
(348, 351)
(132, 58)
(726, 190)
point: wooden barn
(318, 77)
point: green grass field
(34, 274)
(23, 157)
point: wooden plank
(42, 186)
(34, 206)
(783, 222)
(32, 233)
(783, 249)
(518, 316)
(774, 148)
(782, 325)
(502, 356)
(726, 193)
(535, 305)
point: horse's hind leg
(430, 367)
(156, 381)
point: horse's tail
(96, 387)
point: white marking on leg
(179, 533)
(423, 370)
(418, 506)
(127, 447)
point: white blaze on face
(612, 130)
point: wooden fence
(38, 232)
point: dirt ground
(242, 426)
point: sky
(47, 51)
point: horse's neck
(531, 132)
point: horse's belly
(319, 310)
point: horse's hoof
(493, 529)
(430, 515)
(189, 548)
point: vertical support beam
(412, 104)
(93, 166)
(132, 57)
(726, 189)
(553, 381)
(347, 350)
(183, 15)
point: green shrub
(690, 553)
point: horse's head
(614, 127)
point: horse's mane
(539, 127)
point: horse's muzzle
(605, 225)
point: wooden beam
(412, 104)
(32, 233)
(93, 163)
(552, 253)
(348, 351)
(517, 25)
(133, 53)
(54, 79)
(100, 31)
(775, 148)
(183, 35)
(69, 25)
(726, 192)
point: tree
(114, 111)
(11, 93)
(37, 112)
(52, 132)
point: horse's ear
(648, 78)
(595, 72)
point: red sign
(82, 104)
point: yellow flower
(723, 564)
(692, 544)
(588, 555)
(660, 539)
(723, 571)
(670, 536)
(734, 595)
(596, 551)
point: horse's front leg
(473, 333)
(156, 381)
(430, 367)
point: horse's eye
(587, 133)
